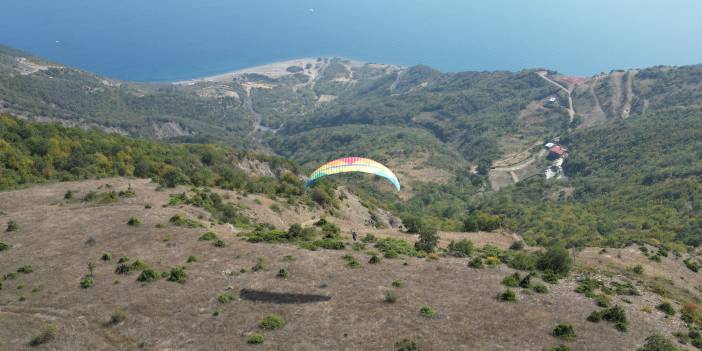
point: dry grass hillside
(325, 304)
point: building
(557, 151)
(549, 145)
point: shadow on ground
(283, 298)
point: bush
(329, 244)
(369, 238)
(517, 245)
(271, 322)
(4, 246)
(208, 236)
(390, 297)
(255, 338)
(219, 243)
(691, 265)
(225, 298)
(398, 283)
(426, 311)
(351, 261)
(476, 262)
(138, 265)
(25, 269)
(405, 345)
(148, 275)
(179, 221)
(374, 259)
(666, 308)
(658, 343)
(540, 289)
(47, 334)
(117, 317)
(428, 239)
(601, 300)
(106, 257)
(191, 259)
(512, 280)
(122, 269)
(559, 348)
(523, 261)
(508, 296)
(550, 277)
(87, 282)
(615, 315)
(259, 266)
(123, 259)
(392, 247)
(564, 331)
(283, 273)
(178, 275)
(461, 248)
(68, 195)
(638, 269)
(557, 260)
(133, 221)
(12, 226)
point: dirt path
(629, 96)
(395, 83)
(571, 109)
(258, 125)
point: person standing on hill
(354, 235)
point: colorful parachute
(354, 164)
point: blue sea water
(160, 40)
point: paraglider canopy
(354, 164)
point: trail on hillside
(571, 109)
(629, 96)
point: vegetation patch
(255, 338)
(614, 315)
(180, 221)
(271, 322)
(426, 311)
(508, 296)
(564, 331)
(46, 335)
(4, 246)
(178, 275)
(12, 226)
(208, 236)
(148, 275)
(351, 261)
(406, 345)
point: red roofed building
(557, 151)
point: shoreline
(274, 69)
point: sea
(168, 40)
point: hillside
(228, 289)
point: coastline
(273, 70)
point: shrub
(208, 236)
(178, 275)
(369, 238)
(476, 262)
(219, 243)
(512, 280)
(12, 226)
(68, 195)
(283, 273)
(255, 338)
(87, 282)
(117, 317)
(666, 308)
(690, 314)
(329, 244)
(179, 221)
(259, 266)
(614, 315)
(147, 206)
(405, 345)
(191, 259)
(540, 289)
(358, 246)
(4, 246)
(525, 282)
(106, 256)
(225, 298)
(271, 322)
(517, 245)
(390, 297)
(148, 275)
(47, 334)
(559, 348)
(426, 311)
(138, 265)
(133, 221)
(428, 239)
(508, 296)
(691, 265)
(374, 259)
(392, 247)
(638, 269)
(122, 269)
(550, 277)
(123, 259)
(25, 269)
(461, 248)
(564, 331)
(289, 258)
(398, 283)
(351, 261)
(658, 343)
(601, 300)
(524, 261)
(557, 260)
(655, 258)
